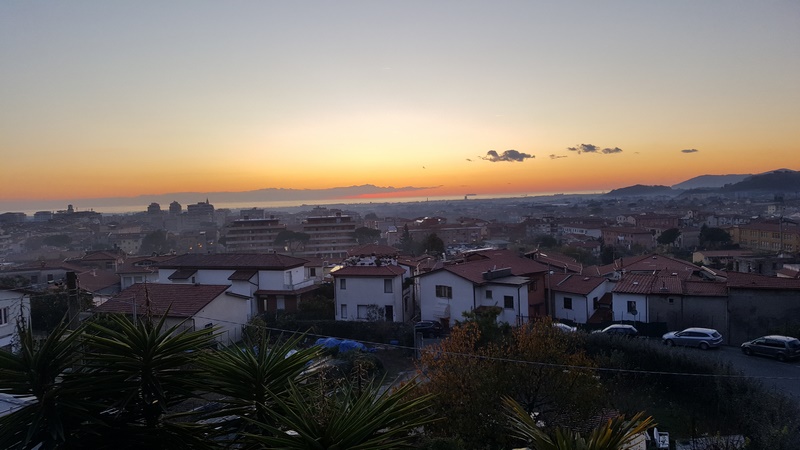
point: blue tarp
(345, 345)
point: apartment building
(253, 235)
(329, 236)
(769, 236)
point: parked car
(564, 327)
(620, 330)
(429, 328)
(702, 338)
(782, 348)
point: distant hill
(781, 180)
(710, 181)
(641, 190)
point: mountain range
(772, 182)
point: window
(567, 302)
(312, 271)
(50, 277)
(444, 291)
(342, 283)
(387, 286)
(488, 293)
(632, 307)
(4, 316)
(508, 302)
(343, 313)
(595, 303)
(363, 312)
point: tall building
(253, 235)
(329, 236)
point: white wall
(582, 305)
(463, 298)
(620, 307)
(512, 315)
(368, 291)
(228, 314)
(17, 305)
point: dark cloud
(690, 150)
(591, 148)
(557, 156)
(507, 156)
(469, 160)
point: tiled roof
(648, 284)
(134, 264)
(369, 271)
(96, 280)
(242, 275)
(182, 274)
(705, 288)
(656, 264)
(555, 260)
(495, 259)
(575, 284)
(257, 261)
(182, 300)
(303, 290)
(788, 273)
(753, 281)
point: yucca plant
(616, 434)
(346, 419)
(37, 372)
(138, 371)
(250, 376)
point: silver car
(702, 338)
(782, 348)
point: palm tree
(36, 372)
(615, 434)
(248, 377)
(349, 418)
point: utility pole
(73, 308)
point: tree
(291, 240)
(366, 235)
(668, 237)
(432, 245)
(712, 237)
(406, 241)
(157, 243)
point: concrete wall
(756, 312)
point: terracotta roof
(753, 281)
(242, 275)
(575, 284)
(182, 274)
(648, 284)
(555, 260)
(134, 264)
(705, 288)
(656, 264)
(369, 271)
(373, 249)
(788, 273)
(303, 290)
(257, 261)
(96, 280)
(182, 300)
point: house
(576, 298)
(15, 304)
(372, 286)
(372, 293)
(140, 269)
(484, 279)
(271, 282)
(193, 307)
(760, 305)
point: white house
(270, 282)
(446, 293)
(577, 297)
(15, 305)
(194, 306)
(372, 293)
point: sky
(105, 99)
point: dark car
(782, 348)
(429, 328)
(620, 330)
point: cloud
(469, 160)
(507, 156)
(690, 150)
(584, 148)
(591, 148)
(557, 156)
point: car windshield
(715, 335)
(793, 344)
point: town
(651, 263)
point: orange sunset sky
(103, 99)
